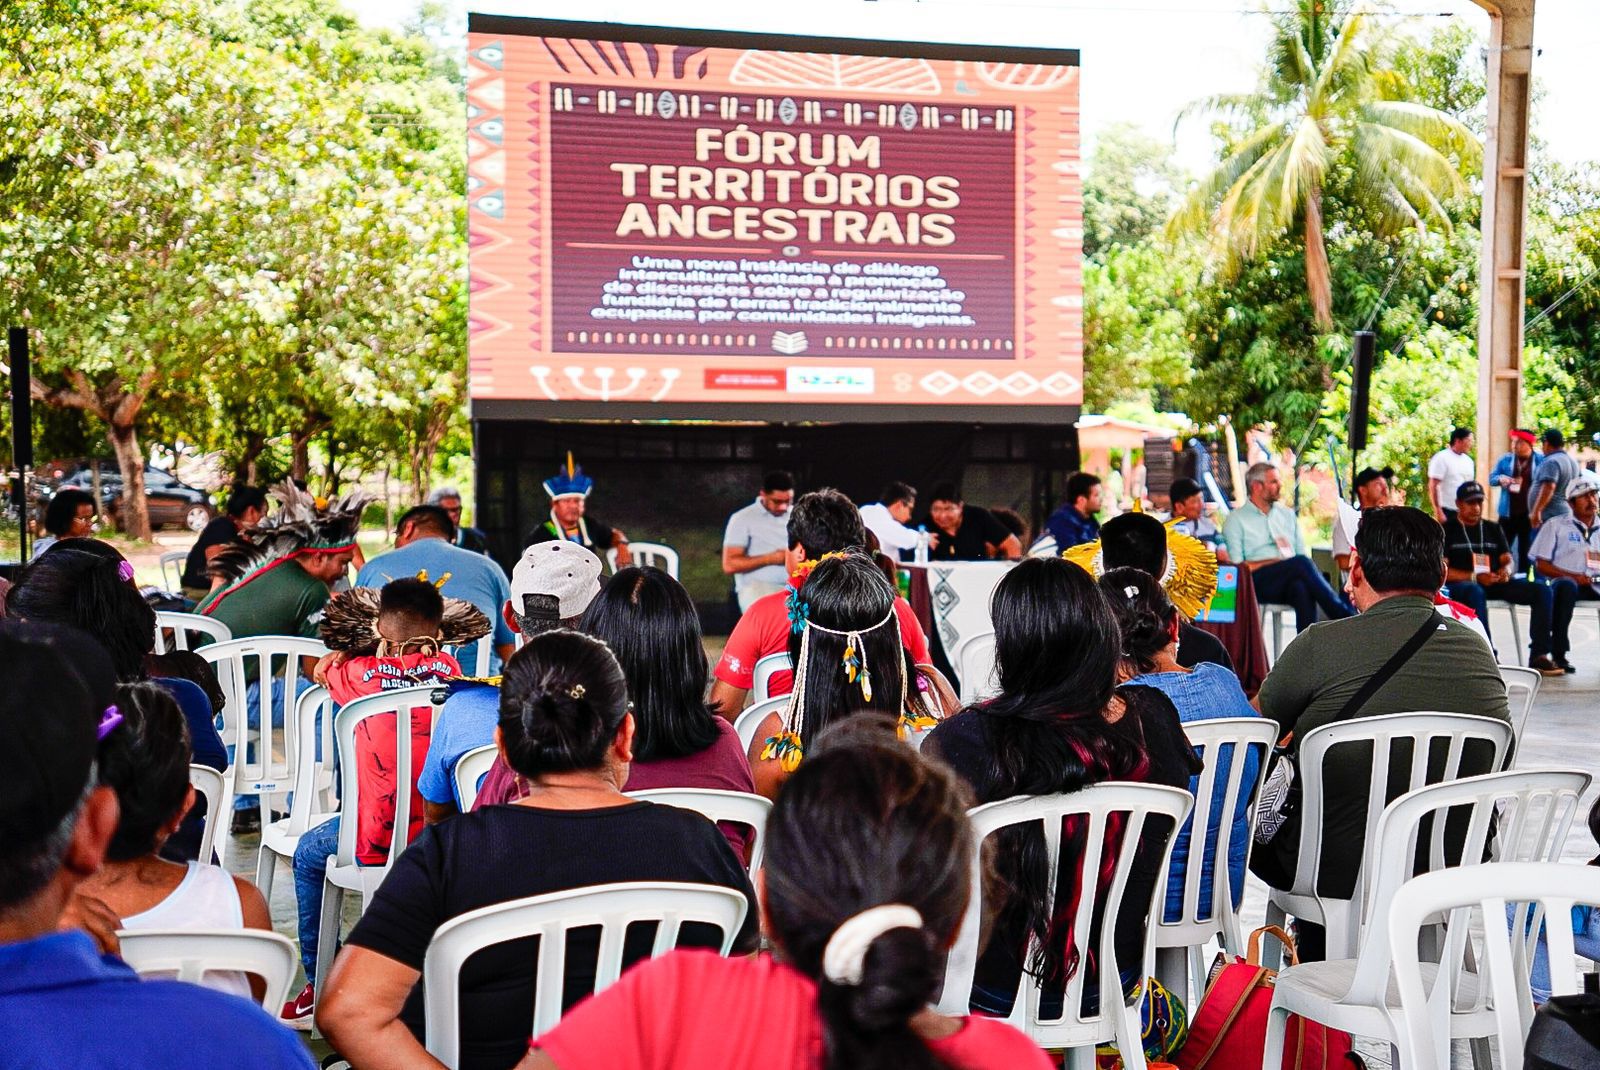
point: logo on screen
(789, 342)
(830, 380)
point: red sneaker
(296, 1013)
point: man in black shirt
(246, 506)
(1478, 561)
(966, 532)
(1139, 540)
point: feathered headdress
(350, 620)
(570, 482)
(1190, 578)
(303, 525)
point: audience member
(1566, 551)
(569, 492)
(85, 583)
(1478, 571)
(1149, 624)
(1448, 469)
(849, 657)
(468, 538)
(822, 522)
(1401, 645)
(1513, 474)
(1189, 516)
(62, 1002)
(1060, 723)
(1265, 538)
(650, 623)
(246, 506)
(1585, 922)
(756, 540)
(69, 515)
(1551, 476)
(1371, 487)
(144, 757)
(887, 519)
(565, 726)
(423, 547)
(1074, 523)
(966, 532)
(861, 948)
(1012, 521)
(1139, 540)
(551, 586)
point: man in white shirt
(887, 518)
(1567, 552)
(1449, 468)
(756, 540)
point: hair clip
(576, 691)
(108, 721)
(125, 570)
(1130, 591)
(799, 612)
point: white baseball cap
(559, 569)
(1583, 483)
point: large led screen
(671, 216)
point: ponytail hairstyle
(1144, 615)
(145, 760)
(88, 589)
(866, 824)
(562, 700)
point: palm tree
(1327, 109)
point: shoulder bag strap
(1376, 681)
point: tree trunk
(134, 509)
(1319, 279)
(244, 472)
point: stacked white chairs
(172, 566)
(1431, 738)
(257, 767)
(1512, 817)
(1426, 993)
(191, 954)
(345, 872)
(975, 664)
(749, 720)
(763, 672)
(469, 772)
(733, 807)
(311, 800)
(612, 907)
(648, 555)
(1522, 690)
(182, 625)
(211, 786)
(1180, 941)
(1115, 1019)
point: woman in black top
(565, 725)
(1060, 723)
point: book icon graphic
(789, 342)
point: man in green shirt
(1395, 575)
(1265, 538)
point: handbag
(1279, 797)
(1229, 1029)
(1566, 1031)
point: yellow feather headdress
(1190, 578)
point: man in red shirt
(821, 522)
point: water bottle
(919, 556)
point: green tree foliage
(1137, 303)
(1128, 189)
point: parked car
(170, 501)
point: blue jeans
(1295, 581)
(249, 718)
(1517, 592)
(1566, 594)
(1585, 941)
(311, 855)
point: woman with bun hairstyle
(565, 726)
(844, 642)
(1149, 625)
(867, 875)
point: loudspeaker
(21, 399)
(1360, 388)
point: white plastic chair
(1116, 1019)
(734, 807)
(612, 907)
(761, 675)
(1179, 942)
(1527, 814)
(211, 786)
(975, 664)
(648, 555)
(1424, 732)
(1044, 546)
(312, 800)
(1274, 631)
(192, 953)
(257, 768)
(1547, 889)
(749, 721)
(469, 772)
(1522, 689)
(172, 565)
(344, 872)
(182, 624)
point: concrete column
(1505, 180)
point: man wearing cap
(62, 1002)
(1567, 552)
(1551, 478)
(1478, 571)
(1513, 475)
(569, 494)
(1372, 490)
(551, 585)
(755, 541)
(1189, 516)
(1449, 468)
